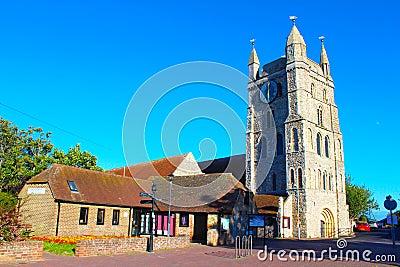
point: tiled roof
(234, 164)
(93, 187)
(223, 187)
(160, 167)
(267, 204)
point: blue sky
(76, 65)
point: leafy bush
(11, 228)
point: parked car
(363, 227)
(373, 225)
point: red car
(363, 227)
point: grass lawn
(59, 249)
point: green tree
(25, 153)
(76, 157)
(359, 199)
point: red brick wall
(85, 248)
(163, 242)
(95, 247)
(21, 251)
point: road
(378, 242)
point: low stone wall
(85, 248)
(94, 247)
(23, 251)
(163, 242)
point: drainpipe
(58, 216)
(129, 222)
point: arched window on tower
(263, 148)
(295, 138)
(324, 95)
(319, 114)
(279, 144)
(320, 183)
(340, 150)
(327, 146)
(292, 181)
(319, 141)
(310, 141)
(324, 181)
(270, 119)
(279, 90)
(330, 187)
(312, 90)
(274, 182)
(300, 178)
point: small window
(184, 220)
(279, 144)
(115, 218)
(279, 90)
(295, 138)
(274, 182)
(72, 186)
(292, 178)
(327, 146)
(83, 216)
(300, 178)
(319, 144)
(100, 216)
(319, 114)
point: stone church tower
(294, 147)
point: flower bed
(72, 240)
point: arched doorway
(327, 224)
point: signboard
(256, 221)
(286, 222)
(36, 191)
(389, 219)
(144, 194)
(225, 224)
(390, 203)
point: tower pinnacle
(324, 62)
(254, 62)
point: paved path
(198, 255)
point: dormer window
(72, 186)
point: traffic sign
(390, 203)
(144, 194)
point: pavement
(199, 255)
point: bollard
(237, 247)
(250, 240)
(244, 246)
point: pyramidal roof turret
(253, 55)
(323, 57)
(294, 36)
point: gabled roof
(220, 196)
(93, 187)
(267, 204)
(160, 167)
(234, 164)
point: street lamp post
(153, 189)
(171, 176)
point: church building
(294, 147)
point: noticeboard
(256, 221)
